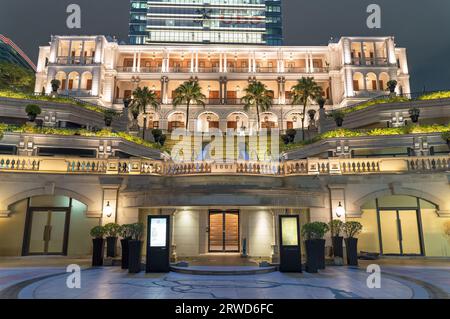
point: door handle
(47, 232)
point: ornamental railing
(138, 166)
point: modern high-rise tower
(206, 21)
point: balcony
(370, 61)
(306, 167)
(75, 60)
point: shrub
(446, 136)
(98, 232)
(112, 229)
(33, 109)
(336, 227)
(314, 230)
(337, 115)
(125, 231)
(351, 229)
(137, 230)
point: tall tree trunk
(187, 115)
(144, 129)
(258, 119)
(303, 121)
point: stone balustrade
(310, 166)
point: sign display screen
(158, 232)
(289, 231)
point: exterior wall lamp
(340, 211)
(108, 210)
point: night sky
(423, 27)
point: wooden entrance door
(224, 231)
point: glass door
(399, 231)
(231, 240)
(47, 233)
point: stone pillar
(225, 63)
(134, 62)
(281, 90)
(139, 61)
(50, 76)
(196, 61)
(223, 85)
(98, 50)
(276, 237)
(390, 47)
(164, 89)
(54, 50)
(363, 54)
(192, 62)
(96, 82)
(349, 90)
(347, 51)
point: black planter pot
(32, 117)
(352, 251)
(339, 122)
(415, 118)
(108, 122)
(134, 256)
(111, 243)
(97, 252)
(311, 256)
(124, 244)
(338, 250)
(320, 253)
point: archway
(237, 121)
(402, 225)
(74, 79)
(383, 79)
(371, 82)
(268, 120)
(86, 81)
(46, 225)
(207, 121)
(176, 119)
(62, 78)
(358, 82)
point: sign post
(290, 252)
(158, 244)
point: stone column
(98, 50)
(347, 51)
(164, 89)
(363, 54)
(54, 48)
(281, 90)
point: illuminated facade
(352, 70)
(206, 22)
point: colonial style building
(56, 187)
(352, 70)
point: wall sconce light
(340, 211)
(108, 210)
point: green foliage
(112, 229)
(136, 231)
(391, 84)
(125, 231)
(339, 133)
(306, 89)
(435, 96)
(314, 230)
(98, 232)
(55, 99)
(56, 84)
(143, 97)
(393, 99)
(337, 115)
(336, 227)
(16, 78)
(110, 114)
(33, 109)
(351, 229)
(446, 136)
(258, 96)
(188, 93)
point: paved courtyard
(415, 280)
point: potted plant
(98, 243)
(351, 229)
(125, 233)
(313, 234)
(336, 226)
(135, 113)
(291, 133)
(392, 84)
(446, 137)
(338, 117)
(126, 102)
(414, 114)
(55, 85)
(33, 111)
(134, 248)
(157, 133)
(109, 115)
(111, 232)
(321, 101)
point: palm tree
(143, 97)
(302, 92)
(257, 95)
(187, 93)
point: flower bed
(61, 100)
(410, 129)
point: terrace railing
(138, 166)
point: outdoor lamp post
(340, 211)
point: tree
(306, 89)
(143, 97)
(257, 95)
(187, 93)
(14, 77)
